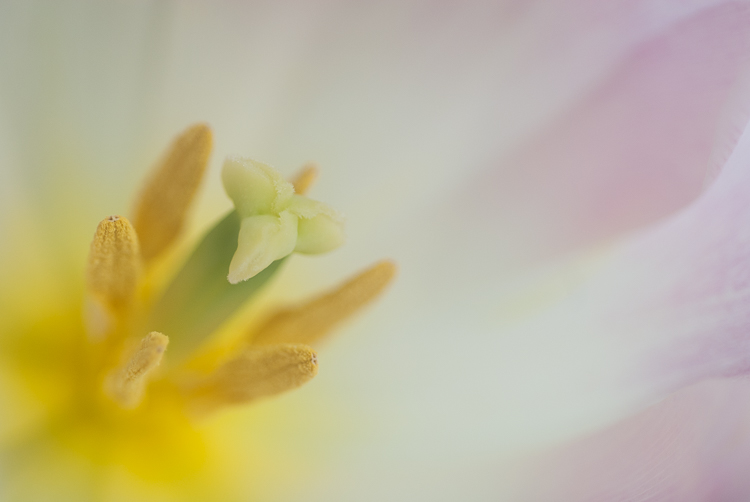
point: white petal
(388, 98)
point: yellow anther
(311, 321)
(111, 274)
(127, 384)
(162, 207)
(255, 373)
(305, 178)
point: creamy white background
(415, 111)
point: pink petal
(639, 145)
(693, 446)
(675, 296)
(400, 109)
(594, 348)
(629, 330)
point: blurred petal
(635, 148)
(401, 104)
(691, 447)
(462, 381)
(384, 96)
(665, 309)
(75, 87)
(689, 278)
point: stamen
(162, 207)
(313, 320)
(126, 385)
(112, 273)
(255, 373)
(305, 178)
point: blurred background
(494, 149)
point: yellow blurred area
(63, 439)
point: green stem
(200, 298)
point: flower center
(139, 375)
(133, 325)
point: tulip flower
(562, 186)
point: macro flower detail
(138, 361)
(564, 185)
(275, 220)
(162, 205)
